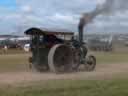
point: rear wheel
(60, 59)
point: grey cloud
(63, 14)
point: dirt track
(103, 71)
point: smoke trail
(108, 7)
(113, 6)
(87, 18)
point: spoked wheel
(90, 63)
(60, 59)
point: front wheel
(90, 63)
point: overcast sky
(18, 15)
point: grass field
(112, 57)
(69, 88)
(12, 51)
(13, 62)
(19, 62)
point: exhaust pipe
(85, 19)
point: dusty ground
(103, 71)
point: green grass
(13, 62)
(19, 61)
(12, 51)
(114, 57)
(69, 88)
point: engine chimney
(85, 19)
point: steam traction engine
(58, 52)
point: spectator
(5, 49)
